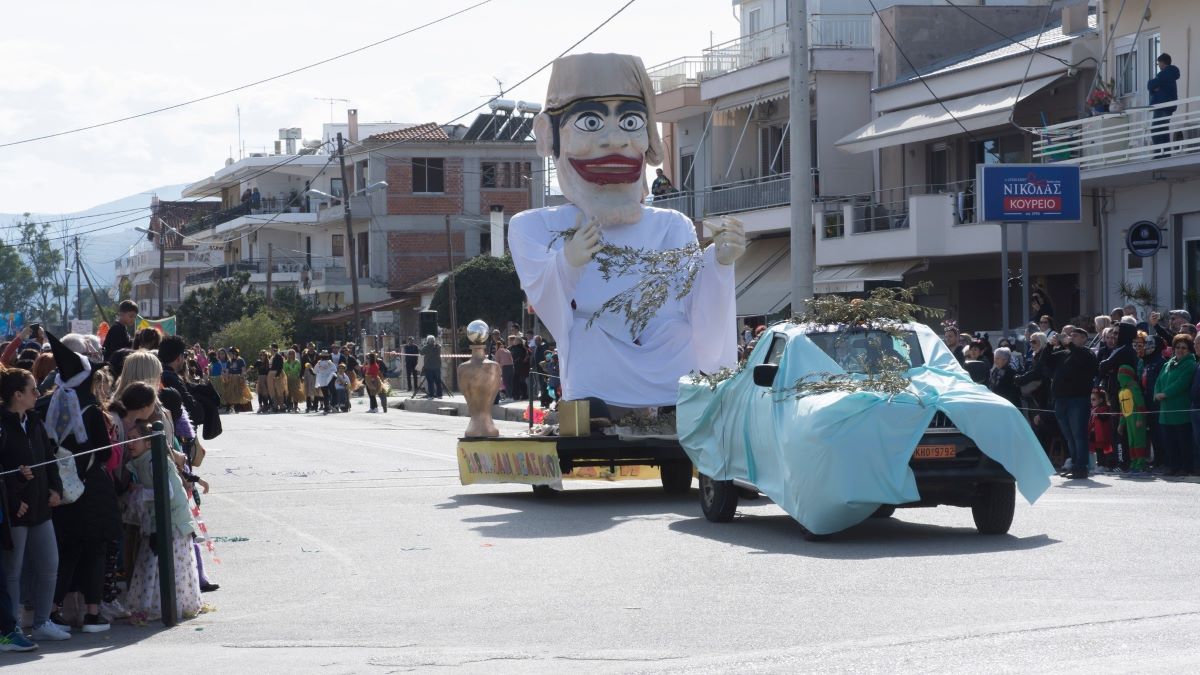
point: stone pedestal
(479, 379)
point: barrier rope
(79, 454)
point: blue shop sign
(1028, 193)
(1143, 239)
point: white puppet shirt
(695, 333)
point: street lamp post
(351, 263)
(162, 259)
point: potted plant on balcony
(1101, 97)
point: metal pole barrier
(1004, 279)
(532, 378)
(162, 463)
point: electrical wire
(211, 192)
(1029, 66)
(248, 85)
(1013, 40)
(916, 72)
(534, 73)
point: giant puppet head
(599, 127)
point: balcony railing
(1115, 139)
(888, 209)
(743, 195)
(840, 30)
(748, 50)
(317, 274)
(268, 205)
(824, 31)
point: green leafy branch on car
(885, 309)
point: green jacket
(1175, 381)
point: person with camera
(1071, 367)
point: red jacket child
(1100, 427)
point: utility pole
(78, 284)
(96, 299)
(65, 307)
(162, 267)
(453, 302)
(352, 264)
(800, 122)
(270, 267)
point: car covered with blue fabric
(833, 459)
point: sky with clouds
(72, 63)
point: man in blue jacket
(1163, 90)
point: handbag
(68, 472)
(198, 452)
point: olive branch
(664, 274)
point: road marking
(382, 446)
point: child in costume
(1133, 419)
(1100, 435)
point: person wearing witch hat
(75, 420)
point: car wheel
(884, 511)
(718, 499)
(544, 492)
(676, 477)
(993, 507)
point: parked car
(834, 459)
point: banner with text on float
(508, 461)
(1033, 193)
(532, 463)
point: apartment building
(401, 186)
(937, 114)
(725, 116)
(1132, 180)
(165, 258)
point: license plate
(935, 452)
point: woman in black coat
(31, 492)
(1002, 378)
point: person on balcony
(661, 187)
(255, 200)
(1162, 89)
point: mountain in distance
(106, 231)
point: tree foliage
(295, 312)
(485, 288)
(251, 334)
(45, 264)
(207, 310)
(16, 281)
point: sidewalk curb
(459, 408)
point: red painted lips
(609, 170)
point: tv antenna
(331, 101)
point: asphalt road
(347, 545)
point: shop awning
(854, 278)
(364, 310)
(754, 96)
(763, 277)
(143, 277)
(927, 122)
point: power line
(917, 72)
(211, 192)
(1015, 41)
(248, 85)
(549, 63)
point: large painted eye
(632, 121)
(589, 121)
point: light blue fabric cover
(831, 460)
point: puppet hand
(584, 243)
(729, 236)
